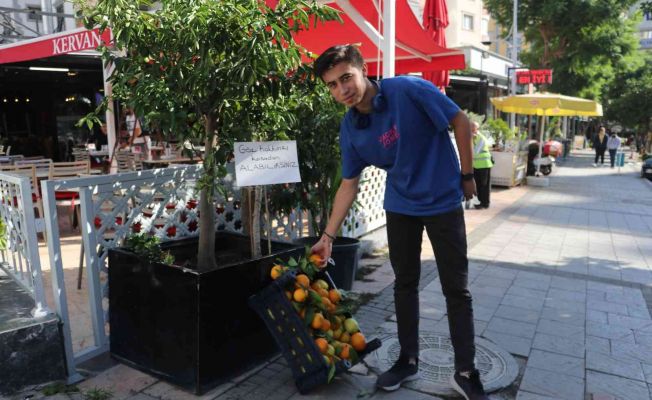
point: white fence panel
(20, 259)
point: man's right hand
(323, 248)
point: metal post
(512, 117)
(389, 34)
(46, 6)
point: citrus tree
(316, 128)
(200, 69)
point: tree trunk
(255, 223)
(206, 253)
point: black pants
(482, 178)
(447, 235)
(612, 157)
(599, 153)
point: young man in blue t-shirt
(401, 125)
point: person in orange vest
(482, 164)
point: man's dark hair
(337, 54)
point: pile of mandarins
(323, 310)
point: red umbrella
(435, 21)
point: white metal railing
(20, 259)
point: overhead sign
(266, 163)
(54, 45)
(534, 76)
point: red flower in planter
(172, 231)
(191, 204)
(192, 226)
(135, 228)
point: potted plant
(213, 72)
(316, 128)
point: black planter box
(191, 328)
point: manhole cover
(497, 367)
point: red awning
(415, 49)
(53, 45)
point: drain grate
(497, 367)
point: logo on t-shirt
(390, 137)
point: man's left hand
(469, 189)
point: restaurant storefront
(47, 84)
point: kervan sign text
(54, 45)
(77, 42)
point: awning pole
(389, 34)
(107, 69)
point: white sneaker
(595, 165)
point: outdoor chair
(63, 170)
(81, 154)
(128, 161)
(42, 166)
(29, 171)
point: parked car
(646, 169)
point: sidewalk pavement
(561, 278)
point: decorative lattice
(165, 203)
(20, 259)
(367, 213)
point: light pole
(512, 117)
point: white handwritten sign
(266, 163)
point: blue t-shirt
(408, 137)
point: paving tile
(480, 288)
(636, 352)
(165, 391)
(596, 295)
(613, 365)
(516, 328)
(561, 345)
(597, 316)
(567, 295)
(565, 387)
(628, 322)
(575, 285)
(570, 305)
(606, 331)
(627, 297)
(556, 362)
(556, 328)
(482, 313)
(621, 388)
(121, 380)
(532, 283)
(564, 315)
(526, 292)
(522, 395)
(643, 338)
(531, 303)
(607, 307)
(601, 345)
(647, 371)
(499, 272)
(639, 312)
(513, 344)
(487, 280)
(517, 314)
(604, 287)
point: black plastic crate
(297, 346)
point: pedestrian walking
(400, 125)
(600, 146)
(482, 164)
(613, 144)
